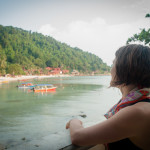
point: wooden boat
(5, 81)
(23, 80)
(26, 85)
(44, 88)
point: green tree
(34, 50)
(39, 63)
(147, 15)
(143, 36)
(15, 69)
(3, 62)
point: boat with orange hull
(5, 81)
(24, 80)
(26, 85)
(44, 88)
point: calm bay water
(24, 113)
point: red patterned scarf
(133, 97)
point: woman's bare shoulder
(138, 111)
(142, 108)
(136, 114)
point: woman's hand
(73, 120)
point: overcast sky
(97, 26)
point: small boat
(44, 88)
(5, 81)
(23, 80)
(26, 85)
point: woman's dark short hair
(132, 66)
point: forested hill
(34, 50)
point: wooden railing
(55, 141)
(74, 147)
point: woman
(128, 122)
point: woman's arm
(75, 125)
(126, 123)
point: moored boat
(23, 80)
(44, 88)
(26, 85)
(5, 81)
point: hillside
(33, 50)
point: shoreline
(25, 78)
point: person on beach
(128, 122)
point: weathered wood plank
(73, 147)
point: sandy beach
(26, 78)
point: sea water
(28, 115)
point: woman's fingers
(67, 125)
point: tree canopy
(143, 36)
(34, 50)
